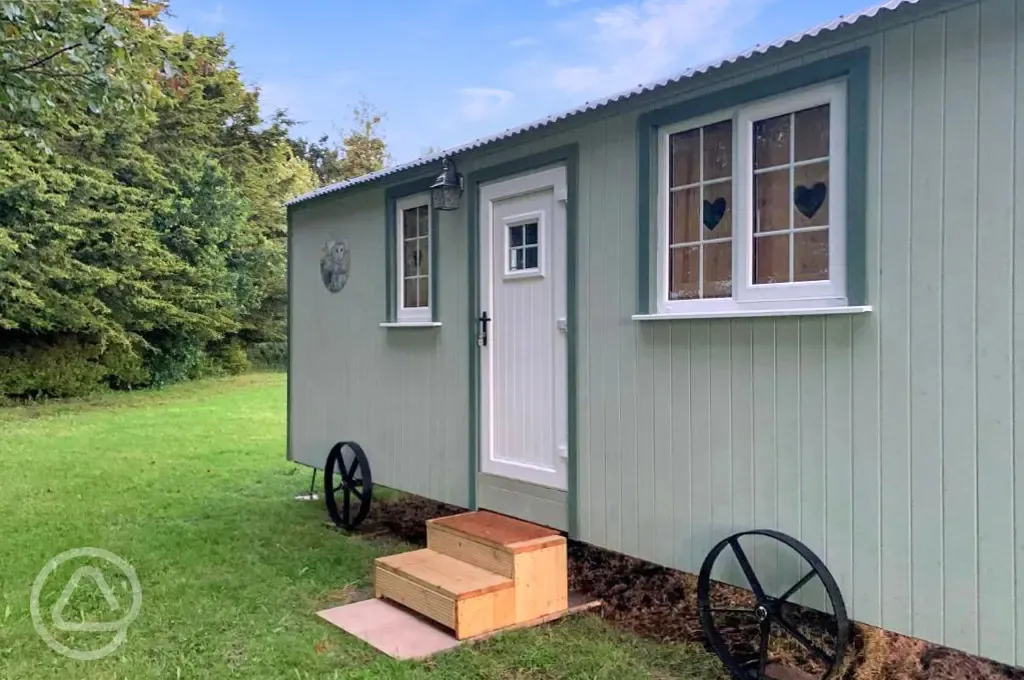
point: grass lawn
(190, 485)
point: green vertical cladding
(568, 156)
(472, 349)
(853, 66)
(391, 196)
(289, 272)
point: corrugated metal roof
(836, 24)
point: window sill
(411, 324)
(750, 313)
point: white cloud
(635, 42)
(479, 103)
(522, 42)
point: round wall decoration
(334, 264)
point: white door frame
(554, 178)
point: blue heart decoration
(809, 200)
(714, 211)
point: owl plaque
(334, 265)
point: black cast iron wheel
(348, 471)
(818, 636)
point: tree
(365, 150)
(323, 159)
(78, 53)
(362, 149)
(142, 228)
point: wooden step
(534, 557)
(461, 596)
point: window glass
(791, 197)
(700, 213)
(748, 207)
(416, 257)
(523, 247)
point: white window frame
(405, 314)
(748, 297)
(537, 216)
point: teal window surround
(391, 197)
(854, 66)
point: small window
(523, 245)
(523, 249)
(752, 206)
(414, 243)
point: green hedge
(71, 366)
(67, 367)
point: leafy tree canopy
(142, 233)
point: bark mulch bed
(661, 604)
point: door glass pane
(515, 236)
(684, 273)
(530, 235)
(771, 259)
(523, 246)
(530, 259)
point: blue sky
(445, 72)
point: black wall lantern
(446, 192)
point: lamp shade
(446, 192)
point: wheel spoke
(799, 584)
(748, 570)
(358, 493)
(803, 640)
(346, 511)
(352, 468)
(343, 471)
(766, 638)
(339, 487)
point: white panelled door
(522, 329)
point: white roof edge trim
(868, 14)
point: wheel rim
(770, 616)
(348, 485)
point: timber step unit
(479, 573)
